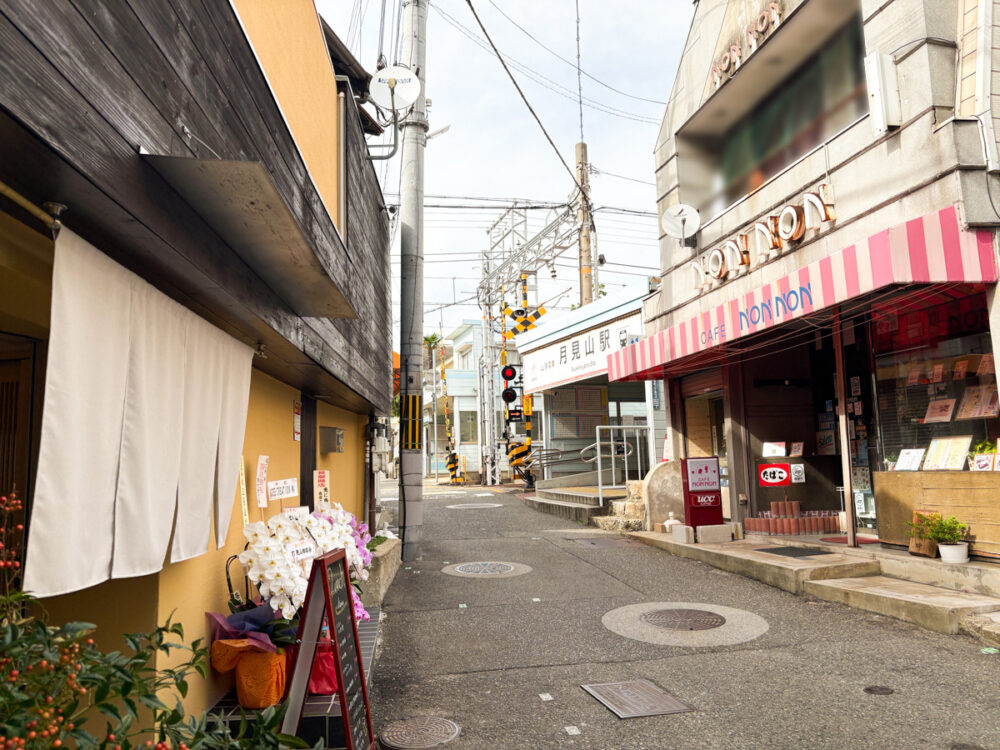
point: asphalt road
(480, 651)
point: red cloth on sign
(323, 678)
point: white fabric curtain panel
(145, 409)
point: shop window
(937, 386)
(468, 426)
(823, 96)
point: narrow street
(504, 656)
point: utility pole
(434, 395)
(583, 216)
(411, 297)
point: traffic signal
(509, 372)
(509, 395)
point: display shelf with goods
(938, 416)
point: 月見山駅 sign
(746, 44)
(768, 235)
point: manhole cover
(793, 551)
(426, 731)
(474, 506)
(636, 698)
(683, 619)
(879, 690)
(486, 569)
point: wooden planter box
(925, 547)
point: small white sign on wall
(261, 481)
(282, 489)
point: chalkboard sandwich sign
(329, 597)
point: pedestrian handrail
(610, 439)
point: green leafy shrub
(947, 530)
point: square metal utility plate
(636, 698)
(793, 551)
(601, 542)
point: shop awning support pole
(845, 444)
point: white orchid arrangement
(279, 554)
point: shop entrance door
(15, 414)
(705, 435)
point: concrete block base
(681, 534)
(385, 563)
(715, 534)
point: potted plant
(919, 528)
(951, 536)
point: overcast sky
(495, 149)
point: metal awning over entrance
(932, 249)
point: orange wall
(288, 40)
(346, 469)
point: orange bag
(260, 675)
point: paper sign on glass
(773, 449)
(798, 472)
(986, 365)
(861, 479)
(938, 375)
(983, 461)
(826, 443)
(939, 410)
(796, 449)
(909, 459)
(958, 452)
(913, 377)
(961, 368)
(856, 385)
(936, 454)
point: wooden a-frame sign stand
(329, 596)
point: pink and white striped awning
(932, 249)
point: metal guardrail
(619, 450)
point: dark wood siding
(85, 83)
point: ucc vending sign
(702, 491)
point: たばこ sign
(774, 475)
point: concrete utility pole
(583, 216)
(434, 396)
(411, 297)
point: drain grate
(636, 698)
(793, 551)
(683, 619)
(879, 690)
(414, 734)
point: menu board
(939, 410)
(329, 597)
(909, 459)
(948, 453)
(350, 677)
(978, 401)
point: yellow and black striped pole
(526, 407)
(410, 422)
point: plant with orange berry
(58, 689)
(11, 553)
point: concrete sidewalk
(945, 598)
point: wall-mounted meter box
(331, 440)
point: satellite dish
(680, 221)
(396, 86)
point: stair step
(569, 496)
(581, 512)
(929, 606)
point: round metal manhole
(879, 690)
(486, 569)
(683, 619)
(425, 731)
(474, 506)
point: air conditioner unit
(883, 93)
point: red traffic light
(509, 395)
(509, 372)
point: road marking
(535, 599)
(545, 696)
(572, 730)
(461, 606)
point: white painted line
(461, 606)
(545, 696)
(447, 563)
(572, 730)
(483, 494)
(535, 599)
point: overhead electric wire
(539, 78)
(513, 80)
(570, 63)
(579, 79)
(622, 177)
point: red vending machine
(702, 491)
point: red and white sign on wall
(774, 475)
(702, 473)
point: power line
(539, 78)
(622, 177)
(579, 79)
(569, 62)
(513, 80)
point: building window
(468, 426)
(937, 386)
(822, 97)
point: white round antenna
(394, 87)
(680, 221)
